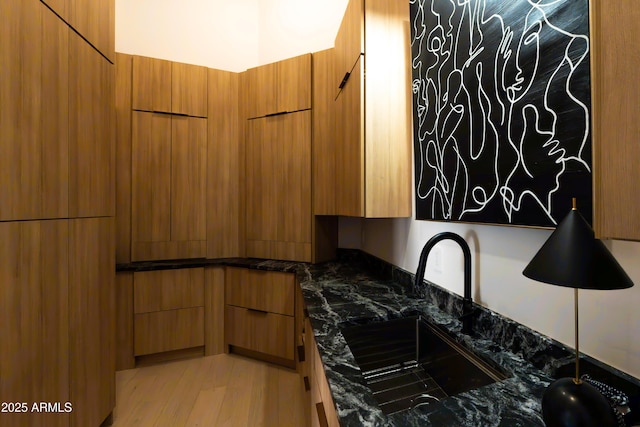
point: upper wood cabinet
(95, 21)
(616, 118)
(188, 89)
(224, 166)
(60, 7)
(168, 186)
(169, 87)
(34, 112)
(278, 187)
(91, 131)
(373, 114)
(279, 87)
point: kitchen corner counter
(341, 293)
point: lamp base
(567, 404)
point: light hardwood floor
(221, 390)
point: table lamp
(572, 257)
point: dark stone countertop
(340, 293)
(252, 263)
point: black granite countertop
(252, 263)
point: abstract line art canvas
(501, 104)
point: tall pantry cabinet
(56, 210)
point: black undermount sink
(409, 362)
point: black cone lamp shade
(572, 257)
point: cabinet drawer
(271, 291)
(168, 330)
(264, 332)
(168, 289)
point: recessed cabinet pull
(322, 416)
(255, 310)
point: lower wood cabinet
(260, 314)
(169, 312)
(322, 411)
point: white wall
(239, 34)
(609, 320)
(230, 35)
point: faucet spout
(467, 301)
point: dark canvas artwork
(501, 102)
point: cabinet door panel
(168, 289)
(350, 147)
(349, 43)
(123, 157)
(151, 84)
(168, 330)
(324, 133)
(91, 131)
(34, 97)
(188, 89)
(91, 320)
(293, 87)
(262, 99)
(261, 290)
(294, 221)
(34, 344)
(95, 20)
(223, 166)
(151, 181)
(61, 7)
(188, 179)
(258, 331)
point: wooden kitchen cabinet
(60, 7)
(372, 160)
(615, 59)
(189, 89)
(225, 166)
(34, 313)
(123, 66)
(278, 187)
(91, 131)
(91, 320)
(151, 84)
(169, 311)
(95, 21)
(322, 410)
(34, 114)
(168, 186)
(169, 87)
(280, 87)
(260, 314)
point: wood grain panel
(151, 180)
(145, 251)
(95, 20)
(60, 7)
(34, 167)
(325, 393)
(91, 131)
(261, 83)
(151, 84)
(168, 330)
(55, 117)
(124, 321)
(189, 89)
(294, 173)
(168, 289)
(223, 166)
(271, 291)
(124, 64)
(615, 114)
(350, 153)
(293, 84)
(388, 190)
(188, 178)
(214, 280)
(91, 320)
(262, 332)
(324, 133)
(34, 314)
(349, 42)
